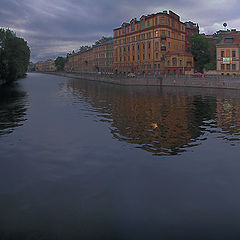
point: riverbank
(207, 81)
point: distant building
(45, 66)
(191, 29)
(154, 44)
(103, 56)
(227, 54)
(82, 61)
(99, 58)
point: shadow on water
(12, 108)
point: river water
(87, 160)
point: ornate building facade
(154, 44)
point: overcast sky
(55, 27)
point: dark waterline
(86, 160)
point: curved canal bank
(224, 82)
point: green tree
(103, 39)
(84, 48)
(60, 62)
(200, 51)
(14, 55)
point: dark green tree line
(14, 55)
(60, 62)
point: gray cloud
(55, 27)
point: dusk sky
(55, 27)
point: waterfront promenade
(206, 81)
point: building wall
(97, 59)
(141, 46)
(47, 66)
(228, 56)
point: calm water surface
(86, 160)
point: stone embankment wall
(207, 81)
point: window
(148, 23)
(168, 63)
(162, 20)
(138, 46)
(149, 56)
(234, 67)
(222, 53)
(228, 67)
(156, 21)
(174, 61)
(124, 29)
(156, 55)
(163, 32)
(149, 45)
(143, 56)
(169, 44)
(158, 65)
(133, 48)
(156, 34)
(133, 58)
(133, 26)
(143, 46)
(143, 23)
(138, 57)
(234, 54)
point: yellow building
(227, 53)
(146, 45)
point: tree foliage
(103, 39)
(60, 62)
(84, 48)
(200, 51)
(14, 55)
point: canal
(87, 160)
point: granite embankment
(217, 81)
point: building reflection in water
(12, 108)
(164, 121)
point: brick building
(149, 44)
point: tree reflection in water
(164, 121)
(12, 108)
